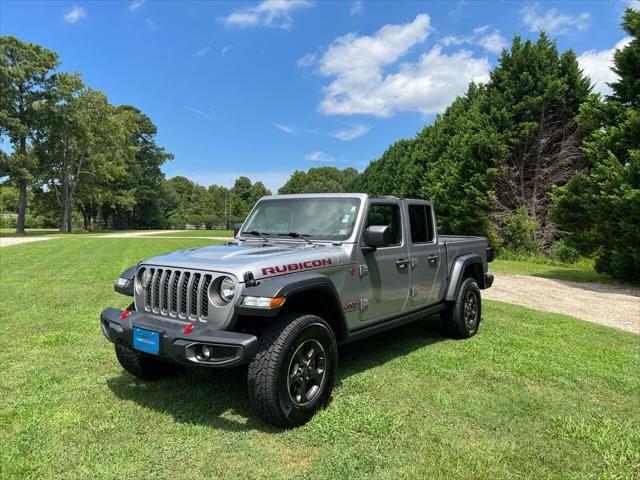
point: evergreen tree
(601, 208)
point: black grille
(194, 295)
(178, 293)
(174, 291)
(183, 291)
(204, 302)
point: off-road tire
(269, 380)
(141, 366)
(456, 318)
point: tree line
(533, 159)
(78, 160)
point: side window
(421, 223)
(381, 214)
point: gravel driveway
(7, 241)
(610, 305)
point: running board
(396, 322)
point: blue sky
(264, 88)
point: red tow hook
(125, 314)
(188, 328)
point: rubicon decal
(293, 267)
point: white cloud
(351, 132)
(357, 7)
(460, 5)
(151, 23)
(225, 50)
(554, 21)
(203, 51)
(136, 5)
(491, 41)
(308, 60)
(284, 128)
(270, 13)
(597, 65)
(210, 115)
(75, 15)
(361, 86)
(319, 156)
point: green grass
(30, 232)
(533, 395)
(198, 233)
(582, 271)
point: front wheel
(294, 371)
(462, 317)
(142, 366)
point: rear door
(427, 272)
(385, 272)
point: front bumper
(229, 348)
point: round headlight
(227, 289)
(145, 278)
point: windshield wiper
(256, 233)
(297, 235)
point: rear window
(421, 224)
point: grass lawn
(583, 271)
(198, 233)
(533, 395)
(29, 232)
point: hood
(262, 261)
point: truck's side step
(396, 322)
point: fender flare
(457, 270)
(288, 286)
(126, 288)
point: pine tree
(602, 207)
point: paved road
(610, 305)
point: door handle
(433, 258)
(402, 263)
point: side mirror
(236, 229)
(377, 236)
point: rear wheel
(294, 371)
(462, 317)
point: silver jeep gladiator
(303, 275)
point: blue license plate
(146, 340)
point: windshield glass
(318, 218)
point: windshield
(318, 218)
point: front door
(385, 272)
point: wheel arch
(311, 293)
(465, 266)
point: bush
(517, 233)
(564, 253)
(8, 222)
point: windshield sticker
(292, 267)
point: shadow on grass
(218, 398)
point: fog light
(206, 352)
